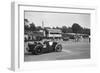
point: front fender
(38, 46)
(31, 47)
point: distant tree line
(31, 26)
(76, 28)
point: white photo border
(17, 60)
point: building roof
(54, 30)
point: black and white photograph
(50, 36)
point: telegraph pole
(43, 24)
(43, 28)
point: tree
(46, 32)
(53, 28)
(32, 27)
(58, 27)
(86, 31)
(69, 30)
(26, 26)
(76, 28)
(39, 28)
(26, 20)
(64, 29)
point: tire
(38, 50)
(58, 48)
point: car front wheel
(58, 48)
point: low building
(69, 35)
(54, 33)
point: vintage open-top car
(43, 47)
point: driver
(51, 42)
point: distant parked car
(65, 38)
(46, 46)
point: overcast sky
(57, 19)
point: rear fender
(38, 46)
(31, 47)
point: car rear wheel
(38, 50)
(58, 48)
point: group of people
(78, 38)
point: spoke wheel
(38, 50)
(58, 48)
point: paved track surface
(71, 50)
